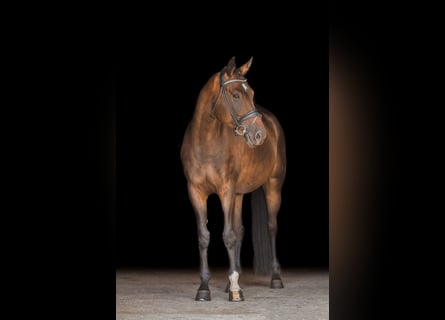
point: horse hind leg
(276, 281)
(274, 201)
(266, 202)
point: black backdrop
(156, 90)
(122, 94)
(152, 82)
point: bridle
(240, 129)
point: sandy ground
(169, 294)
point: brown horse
(232, 147)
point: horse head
(235, 106)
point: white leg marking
(233, 278)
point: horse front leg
(199, 203)
(232, 241)
(237, 222)
(238, 228)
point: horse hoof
(236, 296)
(276, 284)
(203, 295)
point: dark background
(101, 100)
(398, 46)
(145, 93)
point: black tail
(262, 248)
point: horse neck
(205, 124)
(203, 118)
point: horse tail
(262, 248)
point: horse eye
(236, 95)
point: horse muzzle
(255, 137)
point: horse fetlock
(233, 278)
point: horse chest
(231, 173)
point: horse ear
(231, 66)
(245, 67)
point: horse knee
(229, 238)
(204, 239)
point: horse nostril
(258, 137)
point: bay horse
(232, 147)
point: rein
(240, 129)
